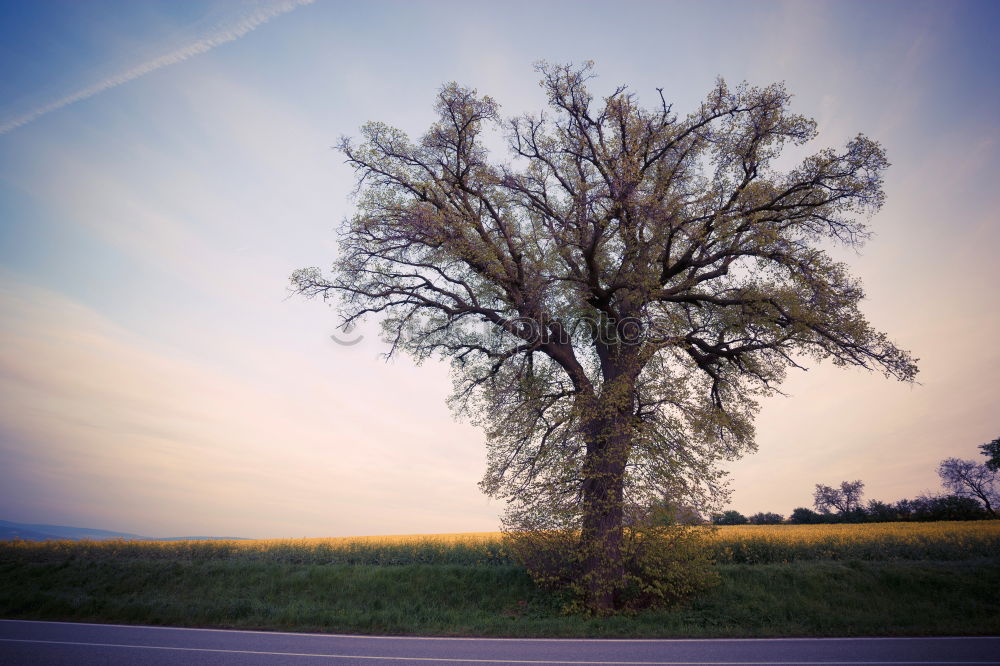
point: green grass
(817, 598)
(839, 580)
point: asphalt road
(24, 642)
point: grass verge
(817, 598)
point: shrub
(766, 519)
(663, 565)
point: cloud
(219, 35)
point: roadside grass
(798, 599)
(801, 598)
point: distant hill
(31, 532)
(9, 533)
(34, 532)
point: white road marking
(480, 661)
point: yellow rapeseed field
(861, 531)
(385, 539)
(732, 543)
(949, 531)
(752, 544)
(867, 541)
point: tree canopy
(966, 478)
(992, 452)
(617, 296)
(845, 499)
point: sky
(165, 166)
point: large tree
(845, 499)
(617, 297)
(966, 478)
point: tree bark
(603, 512)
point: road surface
(23, 642)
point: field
(946, 540)
(867, 579)
(731, 544)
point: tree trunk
(608, 437)
(603, 511)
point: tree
(845, 499)
(616, 299)
(730, 517)
(956, 507)
(669, 512)
(880, 512)
(945, 507)
(992, 452)
(766, 518)
(965, 478)
(905, 509)
(804, 516)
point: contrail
(228, 33)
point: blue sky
(164, 166)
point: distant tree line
(921, 508)
(972, 494)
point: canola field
(743, 544)
(945, 540)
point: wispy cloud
(220, 34)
